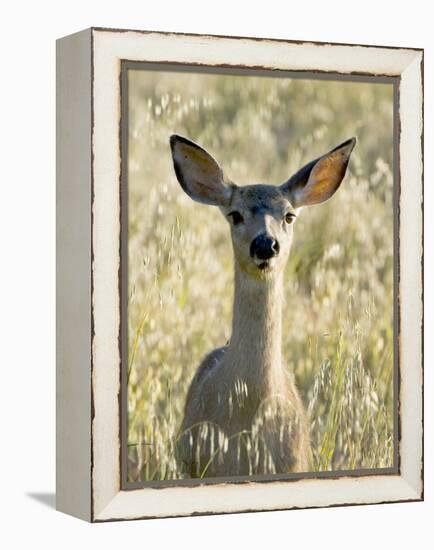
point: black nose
(264, 247)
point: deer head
(261, 217)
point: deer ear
(198, 173)
(319, 179)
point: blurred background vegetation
(338, 324)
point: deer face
(261, 216)
(261, 220)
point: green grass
(338, 337)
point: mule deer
(243, 413)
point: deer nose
(264, 247)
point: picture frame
(91, 342)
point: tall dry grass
(338, 330)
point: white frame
(88, 360)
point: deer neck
(255, 349)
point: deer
(243, 413)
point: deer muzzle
(264, 247)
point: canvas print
(259, 260)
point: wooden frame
(89, 392)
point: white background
(27, 229)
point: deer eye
(236, 217)
(290, 217)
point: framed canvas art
(239, 274)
